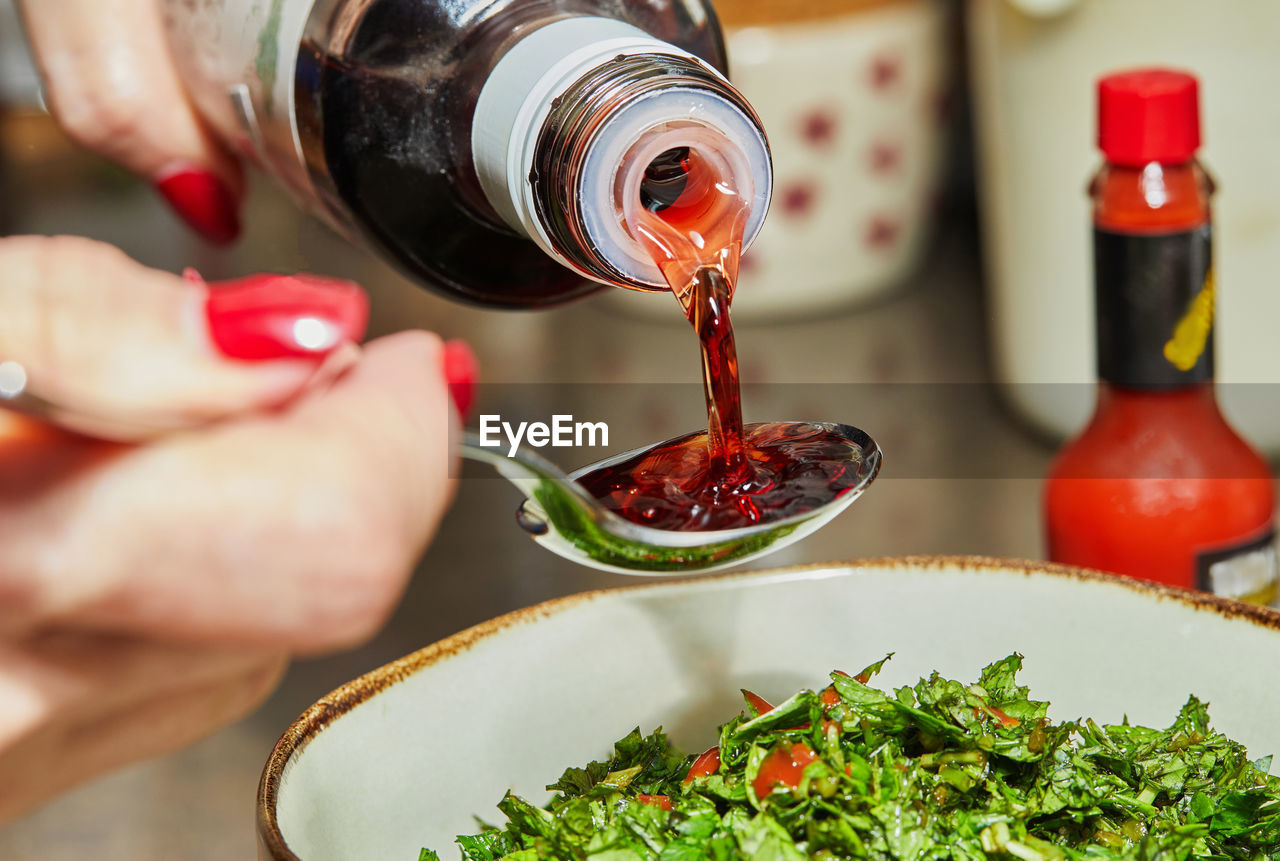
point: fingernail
(204, 202)
(285, 316)
(461, 370)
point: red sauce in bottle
(1158, 486)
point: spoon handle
(528, 472)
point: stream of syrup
(732, 475)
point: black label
(1245, 570)
(1155, 307)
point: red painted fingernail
(204, 202)
(461, 370)
(285, 316)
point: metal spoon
(558, 512)
(562, 517)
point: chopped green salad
(939, 770)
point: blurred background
(924, 275)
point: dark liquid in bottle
(730, 475)
(390, 101)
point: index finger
(294, 531)
(113, 86)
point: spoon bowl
(562, 517)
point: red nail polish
(204, 202)
(461, 370)
(285, 316)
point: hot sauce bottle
(1158, 486)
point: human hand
(112, 84)
(151, 593)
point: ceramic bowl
(407, 755)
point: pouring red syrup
(732, 475)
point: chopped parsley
(941, 770)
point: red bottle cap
(1148, 115)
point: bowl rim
(347, 697)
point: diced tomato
(783, 766)
(656, 800)
(1007, 720)
(759, 703)
(705, 765)
(829, 725)
(998, 714)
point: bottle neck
(565, 135)
(1172, 404)
(1153, 273)
(1151, 198)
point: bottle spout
(591, 134)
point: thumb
(101, 335)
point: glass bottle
(480, 145)
(1158, 486)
